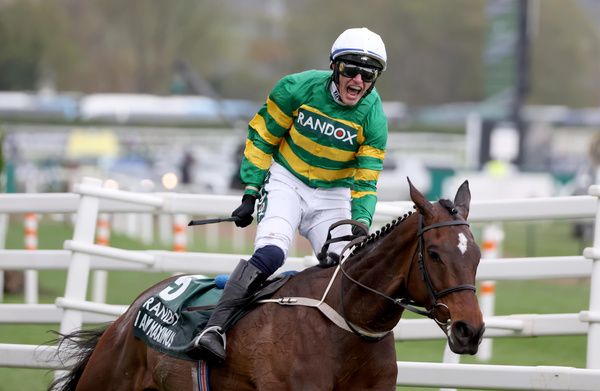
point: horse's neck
(384, 266)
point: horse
(335, 333)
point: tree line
(241, 47)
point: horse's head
(448, 257)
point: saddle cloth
(169, 320)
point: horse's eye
(434, 256)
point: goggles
(350, 70)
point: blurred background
(156, 95)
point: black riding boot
(243, 282)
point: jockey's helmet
(360, 46)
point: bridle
(433, 294)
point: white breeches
(289, 205)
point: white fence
(80, 256)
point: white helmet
(362, 43)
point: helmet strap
(335, 93)
(336, 73)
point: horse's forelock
(449, 206)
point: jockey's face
(352, 90)
(354, 82)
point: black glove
(244, 211)
(360, 229)
(330, 259)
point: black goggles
(350, 70)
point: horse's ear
(424, 206)
(462, 200)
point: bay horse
(425, 262)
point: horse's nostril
(465, 338)
(463, 331)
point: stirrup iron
(215, 329)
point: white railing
(80, 255)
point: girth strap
(329, 312)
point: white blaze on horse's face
(462, 243)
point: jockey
(313, 156)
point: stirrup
(215, 329)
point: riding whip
(211, 221)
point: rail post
(30, 224)
(593, 315)
(100, 277)
(449, 358)
(79, 268)
(3, 231)
(179, 232)
(493, 235)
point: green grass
(522, 239)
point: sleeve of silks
(265, 131)
(369, 163)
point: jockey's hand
(244, 211)
(331, 259)
(360, 230)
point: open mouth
(353, 91)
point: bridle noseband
(434, 294)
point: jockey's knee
(268, 259)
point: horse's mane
(373, 238)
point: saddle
(169, 324)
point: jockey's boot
(243, 282)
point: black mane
(380, 233)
